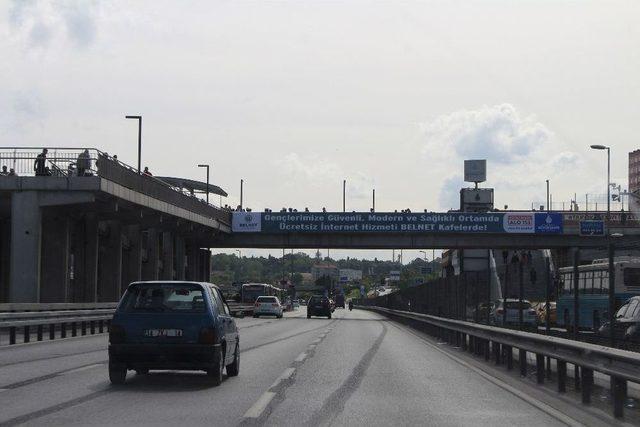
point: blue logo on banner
(548, 223)
(592, 228)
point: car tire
(143, 371)
(215, 373)
(308, 316)
(117, 374)
(234, 368)
(329, 316)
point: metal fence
(64, 162)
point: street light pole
(206, 166)
(344, 193)
(139, 118)
(604, 147)
(241, 190)
(374, 200)
(548, 196)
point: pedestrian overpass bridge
(69, 238)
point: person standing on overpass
(39, 163)
(83, 163)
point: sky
(293, 97)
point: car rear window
(318, 299)
(267, 299)
(164, 297)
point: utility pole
(344, 194)
(374, 201)
(241, 189)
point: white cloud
(521, 153)
(40, 23)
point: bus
(593, 285)
(249, 292)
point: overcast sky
(296, 96)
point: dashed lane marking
(261, 404)
(300, 357)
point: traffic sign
(592, 228)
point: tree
(296, 279)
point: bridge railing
(499, 344)
(63, 162)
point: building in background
(350, 275)
(320, 270)
(634, 172)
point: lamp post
(425, 255)
(548, 208)
(373, 206)
(206, 166)
(344, 194)
(241, 192)
(139, 119)
(604, 147)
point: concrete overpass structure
(70, 238)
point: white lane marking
(301, 357)
(285, 376)
(326, 331)
(321, 336)
(311, 346)
(261, 404)
(287, 373)
(3, 389)
(84, 368)
(316, 341)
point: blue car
(173, 325)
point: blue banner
(548, 223)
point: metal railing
(78, 320)
(63, 162)
(498, 344)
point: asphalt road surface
(356, 369)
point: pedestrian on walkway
(4, 172)
(146, 171)
(12, 172)
(40, 162)
(83, 163)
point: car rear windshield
(267, 299)
(318, 299)
(164, 297)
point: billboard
(379, 222)
(592, 228)
(475, 170)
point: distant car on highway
(541, 312)
(268, 306)
(319, 306)
(339, 300)
(513, 308)
(296, 304)
(173, 325)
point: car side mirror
(238, 314)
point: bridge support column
(5, 256)
(54, 286)
(150, 267)
(180, 257)
(192, 262)
(26, 225)
(109, 281)
(85, 259)
(132, 257)
(167, 256)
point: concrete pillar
(26, 224)
(152, 247)
(207, 265)
(192, 263)
(110, 263)
(180, 253)
(85, 259)
(132, 257)
(54, 286)
(5, 248)
(167, 256)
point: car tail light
(207, 336)
(500, 311)
(116, 334)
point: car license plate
(163, 332)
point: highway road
(356, 369)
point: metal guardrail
(28, 306)
(498, 343)
(96, 319)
